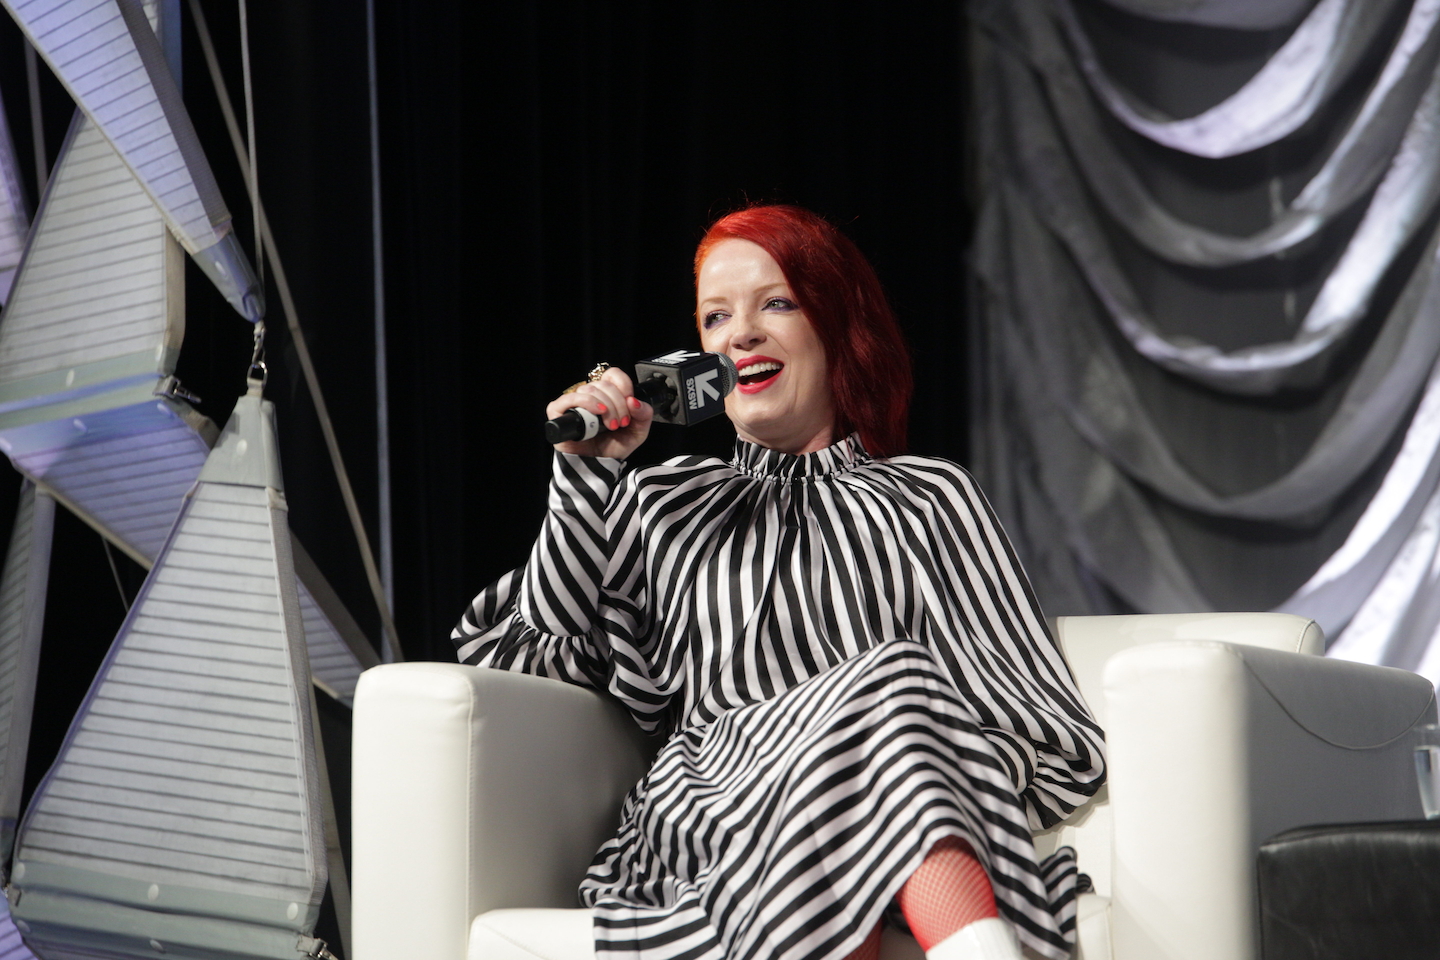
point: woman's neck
(799, 445)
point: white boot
(988, 939)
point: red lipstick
(762, 371)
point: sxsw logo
(701, 387)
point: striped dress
(847, 664)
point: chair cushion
(534, 934)
(1092, 927)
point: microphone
(684, 387)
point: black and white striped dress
(849, 665)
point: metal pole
(391, 638)
(382, 385)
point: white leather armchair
(480, 796)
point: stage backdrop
(1205, 308)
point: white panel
(11, 946)
(132, 485)
(22, 609)
(91, 49)
(331, 660)
(93, 285)
(187, 765)
(14, 224)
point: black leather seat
(1357, 891)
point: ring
(592, 377)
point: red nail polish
(602, 407)
(614, 425)
(625, 422)
(634, 403)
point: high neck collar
(766, 464)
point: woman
(861, 699)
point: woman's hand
(613, 400)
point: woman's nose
(745, 331)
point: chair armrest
(1215, 747)
(475, 789)
(1088, 644)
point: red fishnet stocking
(870, 949)
(948, 891)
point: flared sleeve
(1001, 652)
(541, 618)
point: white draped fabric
(1207, 316)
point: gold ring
(593, 376)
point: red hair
(841, 296)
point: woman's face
(747, 312)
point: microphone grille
(729, 376)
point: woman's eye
(713, 318)
(779, 303)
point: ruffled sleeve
(540, 618)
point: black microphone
(684, 387)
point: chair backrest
(1088, 642)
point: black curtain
(547, 169)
